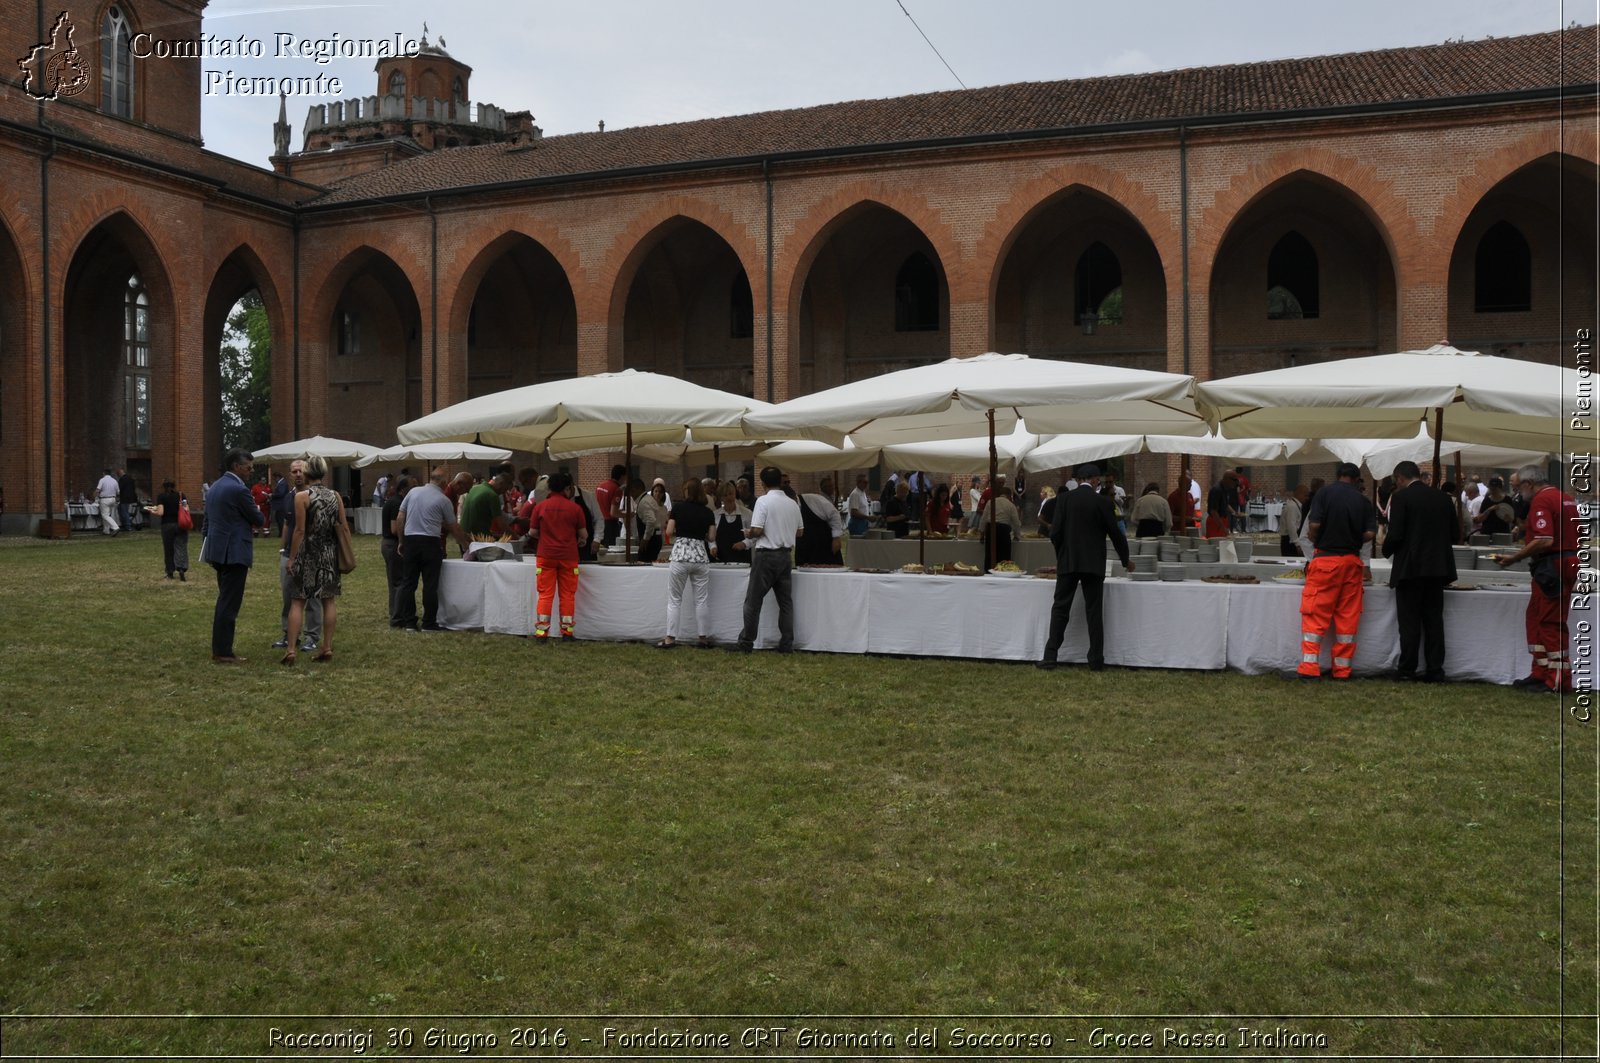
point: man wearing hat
(1083, 520)
(1340, 523)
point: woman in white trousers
(689, 535)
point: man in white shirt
(774, 530)
(974, 500)
(860, 506)
(106, 493)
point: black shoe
(1434, 677)
(739, 648)
(281, 644)
(1048, 665)
(541, 640)
(1308, 678)
(308, 645)
(569, 638)
(1537, 688)
(431, 627)
(1406, 677)
(1529, 681)
(1097, 666)
(785, 649)
(183, 576)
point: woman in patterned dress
(314, 557)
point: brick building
(1214, 221)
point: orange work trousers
(551, 575)
(1332, 596)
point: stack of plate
(1208, 553)
(1170, 552)
(1143, 575)
(1245, 547)
(1466, 556)
(1171, 573)
(1190, 557)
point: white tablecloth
(367, 520)
(1252, 629)
(1029, 554)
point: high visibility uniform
(1332, 596)
(552, 575)
(1552, 515)
(556, 523)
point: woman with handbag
(173, 509)
(316, 557)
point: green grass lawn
(470, 824)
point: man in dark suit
(1422, 523)
(231, 517)
(1082, 521)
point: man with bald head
(425, 517)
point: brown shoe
(230, 659)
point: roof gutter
(55, 136)
(1558, 93)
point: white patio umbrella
(985, 395)
(1467, 397)
(1059, 451)
(808, 455)
(955, 398)
(1382, 455)
(604, 411)
(334, 450)
(432, 452)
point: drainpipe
(45, 299)
(294, 330)
(433, 300)
(1183, 222)
(766, 174)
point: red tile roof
(1396, 76)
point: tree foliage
(247, 375)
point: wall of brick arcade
(383, 312)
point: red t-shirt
(1552, 515)
(557, 521)
(605, 494)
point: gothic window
(136, 364)
(349, 333)
(116, 64)
(459, 91)
(1292, 279)
(397, 84)
(1503, 274)
(741, 309)
(916, 296)
(1099, 286)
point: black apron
(816, 545)
(730, 532)
(1148, 529)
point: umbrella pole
(627, 476)
(1438, 433)
(994, 496)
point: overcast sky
(643, 62)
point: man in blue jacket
(231, 517)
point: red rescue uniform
(1553, 515)
(556, 524)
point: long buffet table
(1252, 629)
